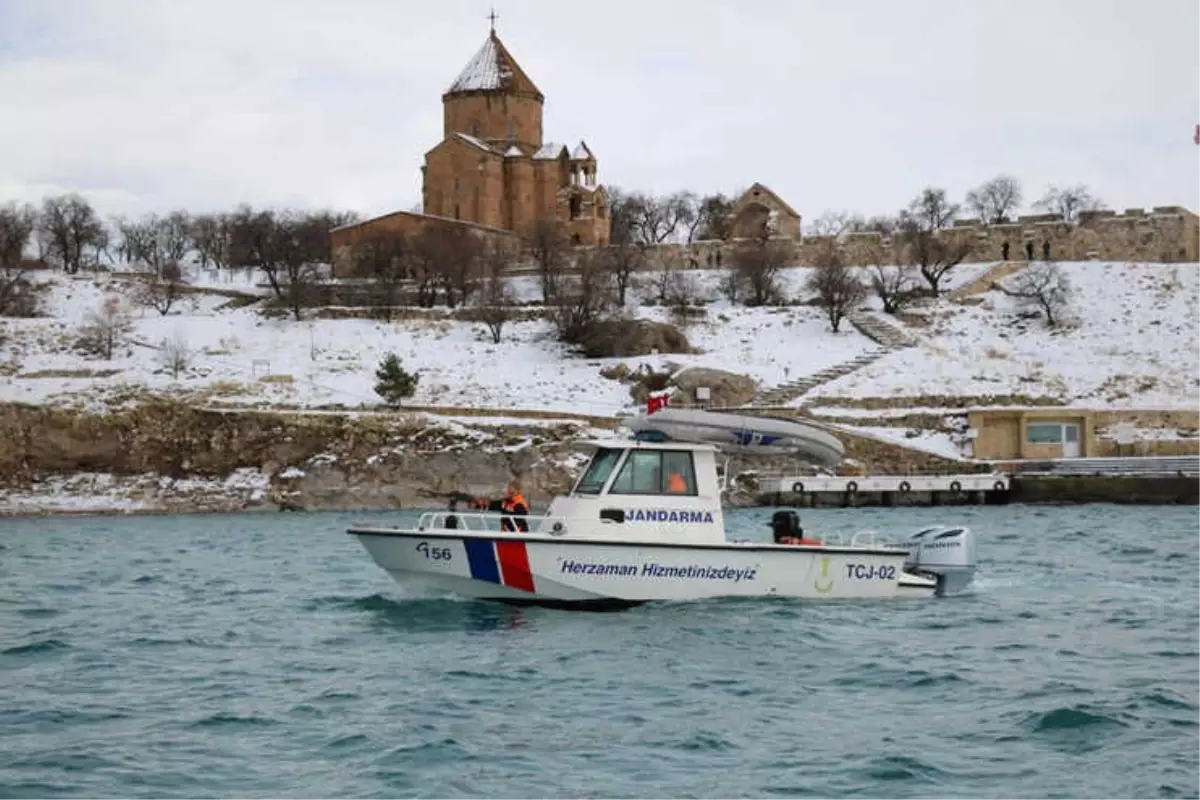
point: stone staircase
(890, 338)
(994, 274)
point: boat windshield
(597, 473)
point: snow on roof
(549, 151)
(493, 68)
(581, 152)
(513, 150)
(482, 72)
(482, 145)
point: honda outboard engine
(786, 524)
(947, 554)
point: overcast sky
(147, 105)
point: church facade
(493, 173)
(493, 167)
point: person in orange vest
(513, 503)
(676, 484)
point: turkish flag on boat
(654, 403)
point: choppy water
(267, 655)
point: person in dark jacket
(513, 502)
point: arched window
(512, 130)
(576, 206)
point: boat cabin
(647, 490)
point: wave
(33, 648)
(1071, 718)
(233, 720)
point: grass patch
(70, 373)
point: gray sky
(155, 104)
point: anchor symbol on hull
(827, 585)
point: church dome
(493, 70)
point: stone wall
(1163, 234)
(400, 223)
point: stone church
(493, 167)
(492, 172)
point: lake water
(267, 655)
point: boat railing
(490, 521)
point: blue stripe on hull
(481, 558)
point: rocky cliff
(305, 460)
(166, 455)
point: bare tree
(69, 225)
(657, 219)
(837, 288)
(927, 251)
(254, 242)
(755, 271)
(995, 200)
(300, 241)
(161, 291)
(105, 328)
(626, 252)
(17, 223)
(153, 242)
(835, 224)
(458, 271)
(1042, 286)
(713, 218)
(895, 286)
(548, 247)
(1068, 202)
(919, 240)
(495, 299)
(931, 211)
(174, 354)
(386, 259)
(210, 237)
(584, 299)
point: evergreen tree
(392, 382)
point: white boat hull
(537, 569)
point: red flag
(655, 403)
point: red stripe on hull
(514, 565)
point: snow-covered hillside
(1131, 340)
(1134, 344)
(325, 362)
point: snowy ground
(1131, 342)
(1134, 344)
(252, 359)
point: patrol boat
(621, 538)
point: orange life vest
(676, 484)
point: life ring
(955, 486)
(905, 488)
(798, 487)
(852, 487)
(998, 486)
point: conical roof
(493, 69)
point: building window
(576, 206)
(1044, 433)
(456, 214)
(656, 472)
(512, 130)
(475, 128)
(456, 185)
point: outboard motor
(948, 554)
(786, 524)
